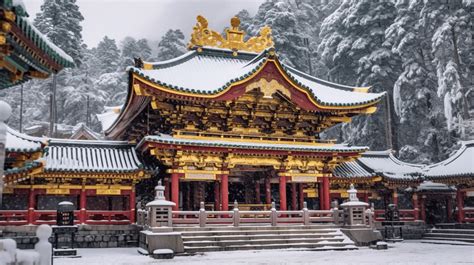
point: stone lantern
(354, 210)
(160, 210)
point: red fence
(20, 217)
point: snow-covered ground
(412, 252)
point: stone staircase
(317, 237)
(450, 234)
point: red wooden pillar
(449, 209)
(422, 208)
(460, 205)
(326, 193)
(175, 190)
(225, 192)
(416, 210)
(217, 196)
(395, 197)
(82, 206)
(167, 188)
(321, 195)
(132, 205)
(283, 193)
(31, 206)
(268, 191)
(257, 192)
(301, 195)
(293, 197)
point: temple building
(227, 121)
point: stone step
(258, 242)
(313, 246)
(257, 232)
(253, 227)
(453, 231)
(447, 242)
(251, 237)
(450, 239)
(449, 235)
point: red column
(366, 197)
(293, 197)
(283, 193)
(167, 188)
(225, 192)
(321, 195)
(449, 209)
(301, 195)
(326, 193)
(460, 205)
(82, 206)
(422, 208)
(217, 196)
(175, 190)
(257, 192)
(395, 197)
(416, 208)
(31, 206)
(268, 190)
(132, 205)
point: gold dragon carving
(234, 40)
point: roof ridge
(24, 136)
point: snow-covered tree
(171, 45)
(144, 49)
(108, 55)
(60, 21)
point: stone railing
(272, 217)
(405, 215)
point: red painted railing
(468, 214)
(13, 217)
(20, 217)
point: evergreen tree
(171, 45)
(144, 49)
(352, 47)
(60, 21)
(130, 51)
(108, 55)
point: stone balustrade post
(202, 215)
(273, 215)
(236, 216)
(305, 213)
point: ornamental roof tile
(168, 139)
(90, 156)
(211, 71)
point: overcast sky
(149, 18)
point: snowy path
(411, 252)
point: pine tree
(352, 47)
(171, 45)
(130, 51)
(144, 49)
(59, 20)
(108, 55)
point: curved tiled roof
(386, 164)
(212, 71)
(19, 142)
(352, 169)
(460, 164)
(90, 156)
(168, 139)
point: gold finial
(234, 40)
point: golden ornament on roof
(234, 40)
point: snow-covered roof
(20, 142)
(90, 156)
(168, 139)
(211, 71)
(82, 130)
(432, 186)
(386, 164)
(108, 118)
(460, 164)
(352, 169)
